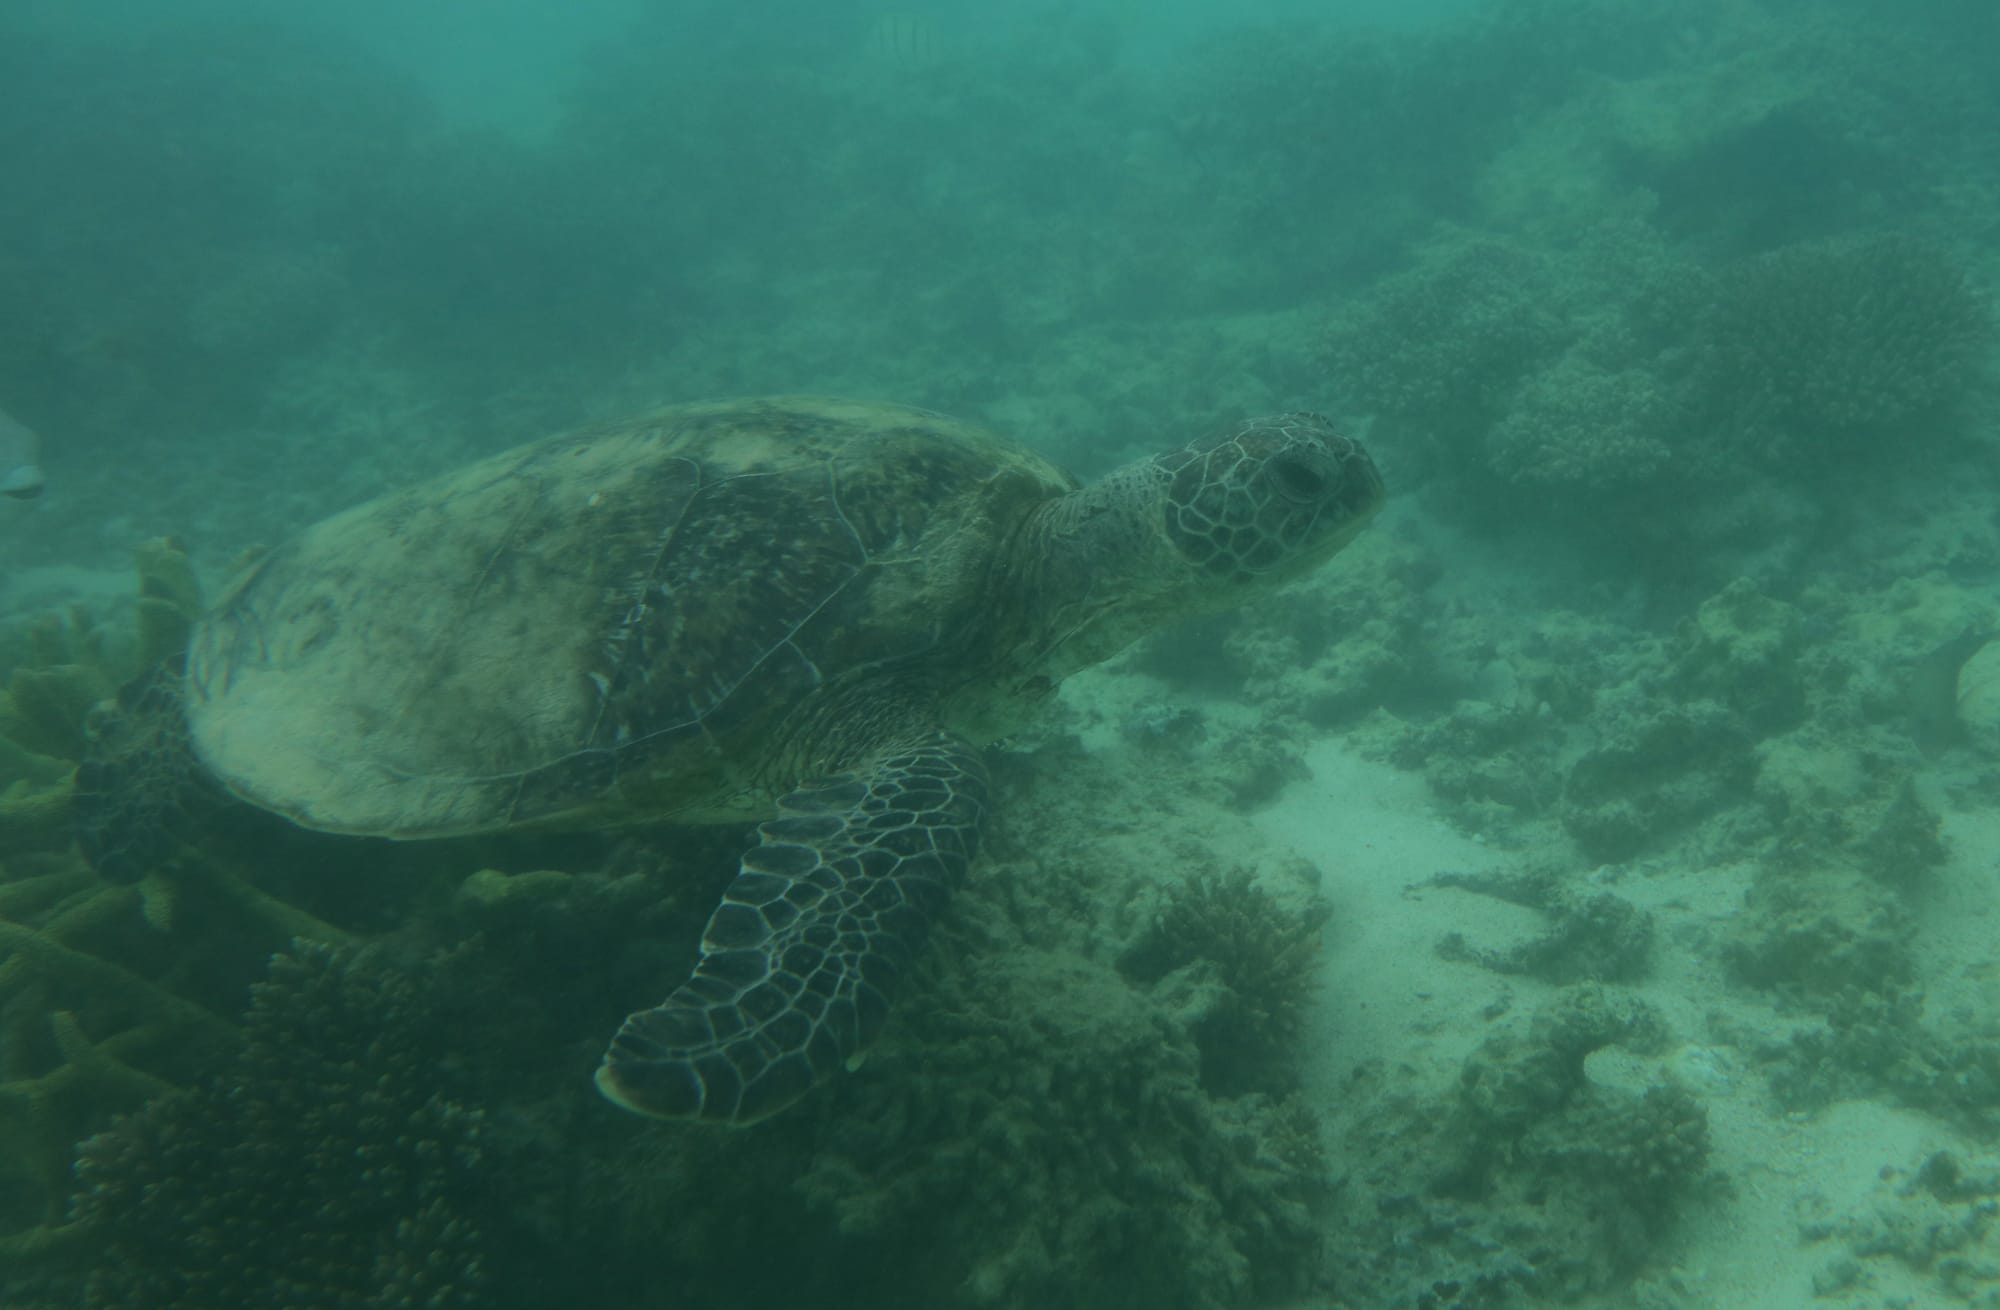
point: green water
(1579, 892)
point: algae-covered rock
(1821, 931)
(1591, 936)
(1849, 800)
(1932, 1224)
(1742, 648)
(1879, 1042)
(1526, 1180)
(1654, 776)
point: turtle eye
(1298, 480)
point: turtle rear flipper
(800, 960)
(140, 791)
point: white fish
(20, 459)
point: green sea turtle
(808, 608)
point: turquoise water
(1580, 891)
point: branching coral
(63, 667)
(1437, 351)
(1262, 955)
(105, 1001)
(1584, 429)
(108, 994)
(1824, 346)
(325, 1168)
(1042, 1138)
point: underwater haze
(1582, 890)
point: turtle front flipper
(800, 960)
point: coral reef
(1488, 765)
(1586, 432)
(329, 1165)
(1039, 1134)
(1935, 1223)
(1223, 927)
(1658, 772)
(59, 668)
(110, 994)
(1526, 1178)
(1437, 352)
(1816, 349)
(1591, 936)
(1742, 648)
(1877, 1041)
(1820, 931)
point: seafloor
(1584, 892)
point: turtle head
(1266, 500)
(1196, 529)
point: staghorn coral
(324, 1168)
(109, 994)
(62, 665)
